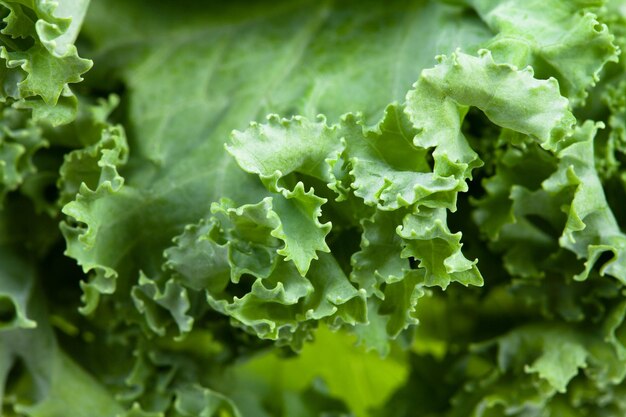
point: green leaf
(520, 102)
(68, 379)
(147, 295)
(275, 149)
(299, 227)
(391, 314)
(47, 75)
(20, 140)
(41, 59)
(183, 101)
(379, 260)
(389, 170)
(236, 258)
(557, 353)
(558, 38)
(520, 218)
(385, 163)
(44, 380)
(16, 288)
(428, 239)
(559, 363)
(330, 356)
(591, 227)
(82, 229)
(195, 401)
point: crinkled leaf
(394, 313)
(237, 259)
(270, 63)
(85, 212)
(20, 139)
(561, 38)
(44, 380)
(518, 216)
(40, 57)
(437, 250)
(300, 228)
(509, 97)
(280, 147)
(189, 75)
(591, 227)
(388, 169)
(378, 261)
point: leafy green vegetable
(312, 208)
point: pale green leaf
(559, 38)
